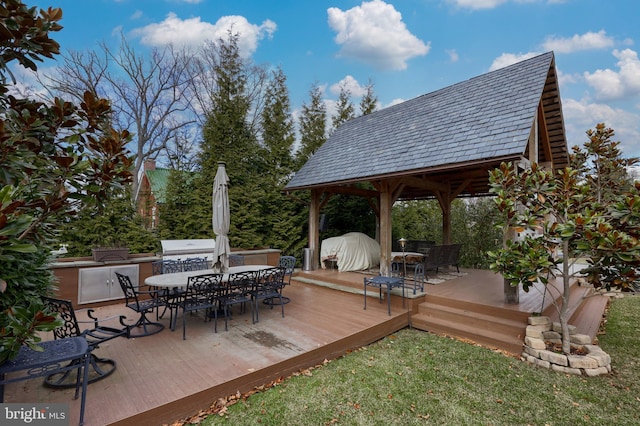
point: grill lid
(184, 248)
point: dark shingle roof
(486, 117)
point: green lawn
(414, 377)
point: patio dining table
(180, 279)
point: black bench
(440, 256)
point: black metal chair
(194, 264)
(418, 278)
(95, 336)
(202, 293)
(268, 286)
(236, 260)
(289, 264)
(166, 266)
(142, 302)
(237, 292)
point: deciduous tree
(561, 218)
(54, 157)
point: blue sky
(404, 47)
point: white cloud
(586, 41)
(580, 116)
(567, 79)
(507, 59)
(476, 4)
(350, 84)
(375, 34)
(492, 4)
(194, 31)
(453, 55)
(624, 83)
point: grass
(413, 377)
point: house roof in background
(480, 121)
(158, 180)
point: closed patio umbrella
(221, 219)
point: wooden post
(444, 199)
(385, 228)
(314, 231)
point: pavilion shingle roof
(485, 117)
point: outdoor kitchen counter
(68, 271)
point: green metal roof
(158, 180)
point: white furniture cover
(353, 251)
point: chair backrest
(418, 272)
(156, 267)
(203, 286)
(130, 292)
(273, 277)
(167, 266)
(170, 266)
(64, 308)
(241, 282)
(454, 254)
(194, 264)
(289, 264)
(395, 269)
(236, 260)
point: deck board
(161, 378)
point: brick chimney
(149, 165)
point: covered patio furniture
(237, 291)
(142, 302)
(95, 335)
(268, 286)
(202, 293)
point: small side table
(388, 282)
(57, 356)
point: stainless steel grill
(182, 249)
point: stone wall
(541, 332)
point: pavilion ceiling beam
(544, 134)
(351, 190)
(460, 188)
(424, 184)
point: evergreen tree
(345, 110)
(176, 219)
(283, 217)
(228, 137)
(601, 164)
(369, 101)
(348, 213)
(313, 125)
(277, 130)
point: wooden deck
(162, 378)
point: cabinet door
(101, 283)
(94, 284)
(130, 270)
